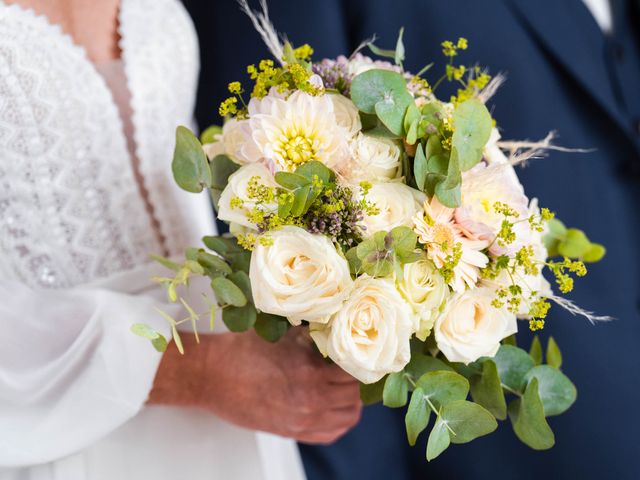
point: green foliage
(421, 364)
(239, 319)
(554, 357)
(384, 93)
(228, 293)
(571, 243)
(468, 420)
(417, 416)
(371, 393)
(143, 330)
(527, 417)
(378, 255)
(513, 364)
(442, 387)
(396, 390)
(439, 439)
(472, 127)
(190, 166)
(222, 167)
(536, 350)
(209, 134)
(486, 390)
(271, 327)
(554, 388)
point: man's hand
(284, 388)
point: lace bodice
(70, 209)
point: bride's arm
(70, 369)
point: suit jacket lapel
(576, 42)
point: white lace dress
(76, 229)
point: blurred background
(571, 66)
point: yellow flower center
(443, 236)
(297, 149)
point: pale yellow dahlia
(287, 132)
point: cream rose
(235, 202)
(346, 113)
(300, 276)
(425, 290)
(229, 142)
(470, 327)
(397, 204)
(369, 336)
(375, 159)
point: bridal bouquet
(393, 226)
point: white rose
(369, 336)
(425, 289)
(373, 159)
(300, 276)
(229, 142)
(237, 188)
(397, 204)
(470, 327)
(346, 113)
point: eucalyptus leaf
(554, 356)
(420, 168)
(595, 253)
(222, 167)
(513, 364)
(210, 134)
(239, 319)
(145, 331)
(396, 390)
(527, 418)
(554, 388)
(468, 420)
(300, 200)
(213, 262)
(472, 127)
(449, 197)
(575, 244)
(190, 166)
(384, 93)
(421, 364)
(486, 390)
(160, 343)
(536, 350)
(315, 168)
(291, 181)
(241, 280)
(271, 327)
(165, 262)
(228, 293)
(442, 387)
(417, 416)
(439, 439)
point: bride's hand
(284, 388)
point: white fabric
(601, 11)
(74, 273)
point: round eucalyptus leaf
(468, 420)
(554, 388)
(513, 363)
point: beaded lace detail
(70, 209)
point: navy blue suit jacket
(563, 74)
